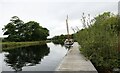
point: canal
(33, 58)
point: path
(75, 61)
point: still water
(33, 58)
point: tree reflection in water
(26, 56)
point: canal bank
(75, 61)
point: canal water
(33, 58)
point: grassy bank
(11, 45)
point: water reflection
(26, 56)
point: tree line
(60, 39)
(100, 40)
(19, 31)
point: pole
(67, 27)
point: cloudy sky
(52, 13)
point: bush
(99, 42)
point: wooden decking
(75, 61)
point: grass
(11, 45)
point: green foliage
(60, 39)
(17, 30)
(99, 42)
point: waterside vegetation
(18, 31)
(99, 41)
(21, 34)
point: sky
(52, 13)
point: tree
(35, 32)
(13, 29)
(17, 30)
